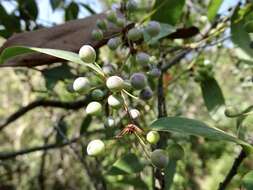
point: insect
(129, 129)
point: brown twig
(11, 155)
(41, 175)
(45, 147)
(44, 103)
(176, 59)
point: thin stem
(143, 145)
(126, 107)
(129, 94)
(233, 171)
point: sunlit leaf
(168, 11)
(240, 36)
(194, 127)
(213, 8)
(13, 51)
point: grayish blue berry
(146, 94)
(142, 58)
(153, 28)
(138, 81)
(113, 43)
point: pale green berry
(120, 22)
(115, 83)
(176, 152)
(153, 137)
(113, 43)
(153, 28)
(203, 19)
(101, 24)
(159, 158)
(87, 53)
(134, 34)
(134, 113)
(115, 101)
(94, 108)
(207, 62)
(97, 94)
(179, 42)
(138, 81)
(111, 16)
(95, 147)
(230, 111)
(142, 58)
(81, 84)
(131, 5)
(97, 34)
(109, 122)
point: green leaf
(166, 29)
(194, 127)
(213, 8)
(61, 131)
(128, 164)
(126, 181)
(248, 26)
(85, 124)
(28, 9)
(88, 8)
(71, 11)
(56, 3)
(5, 33)
(136, 182)
(55, 74)
(13, 51)
(240, 36)
(169, 173)
(168, 11)
(247, 181)
(212, 94)
(10, 22)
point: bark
(69, 36)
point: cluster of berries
(117, 85)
